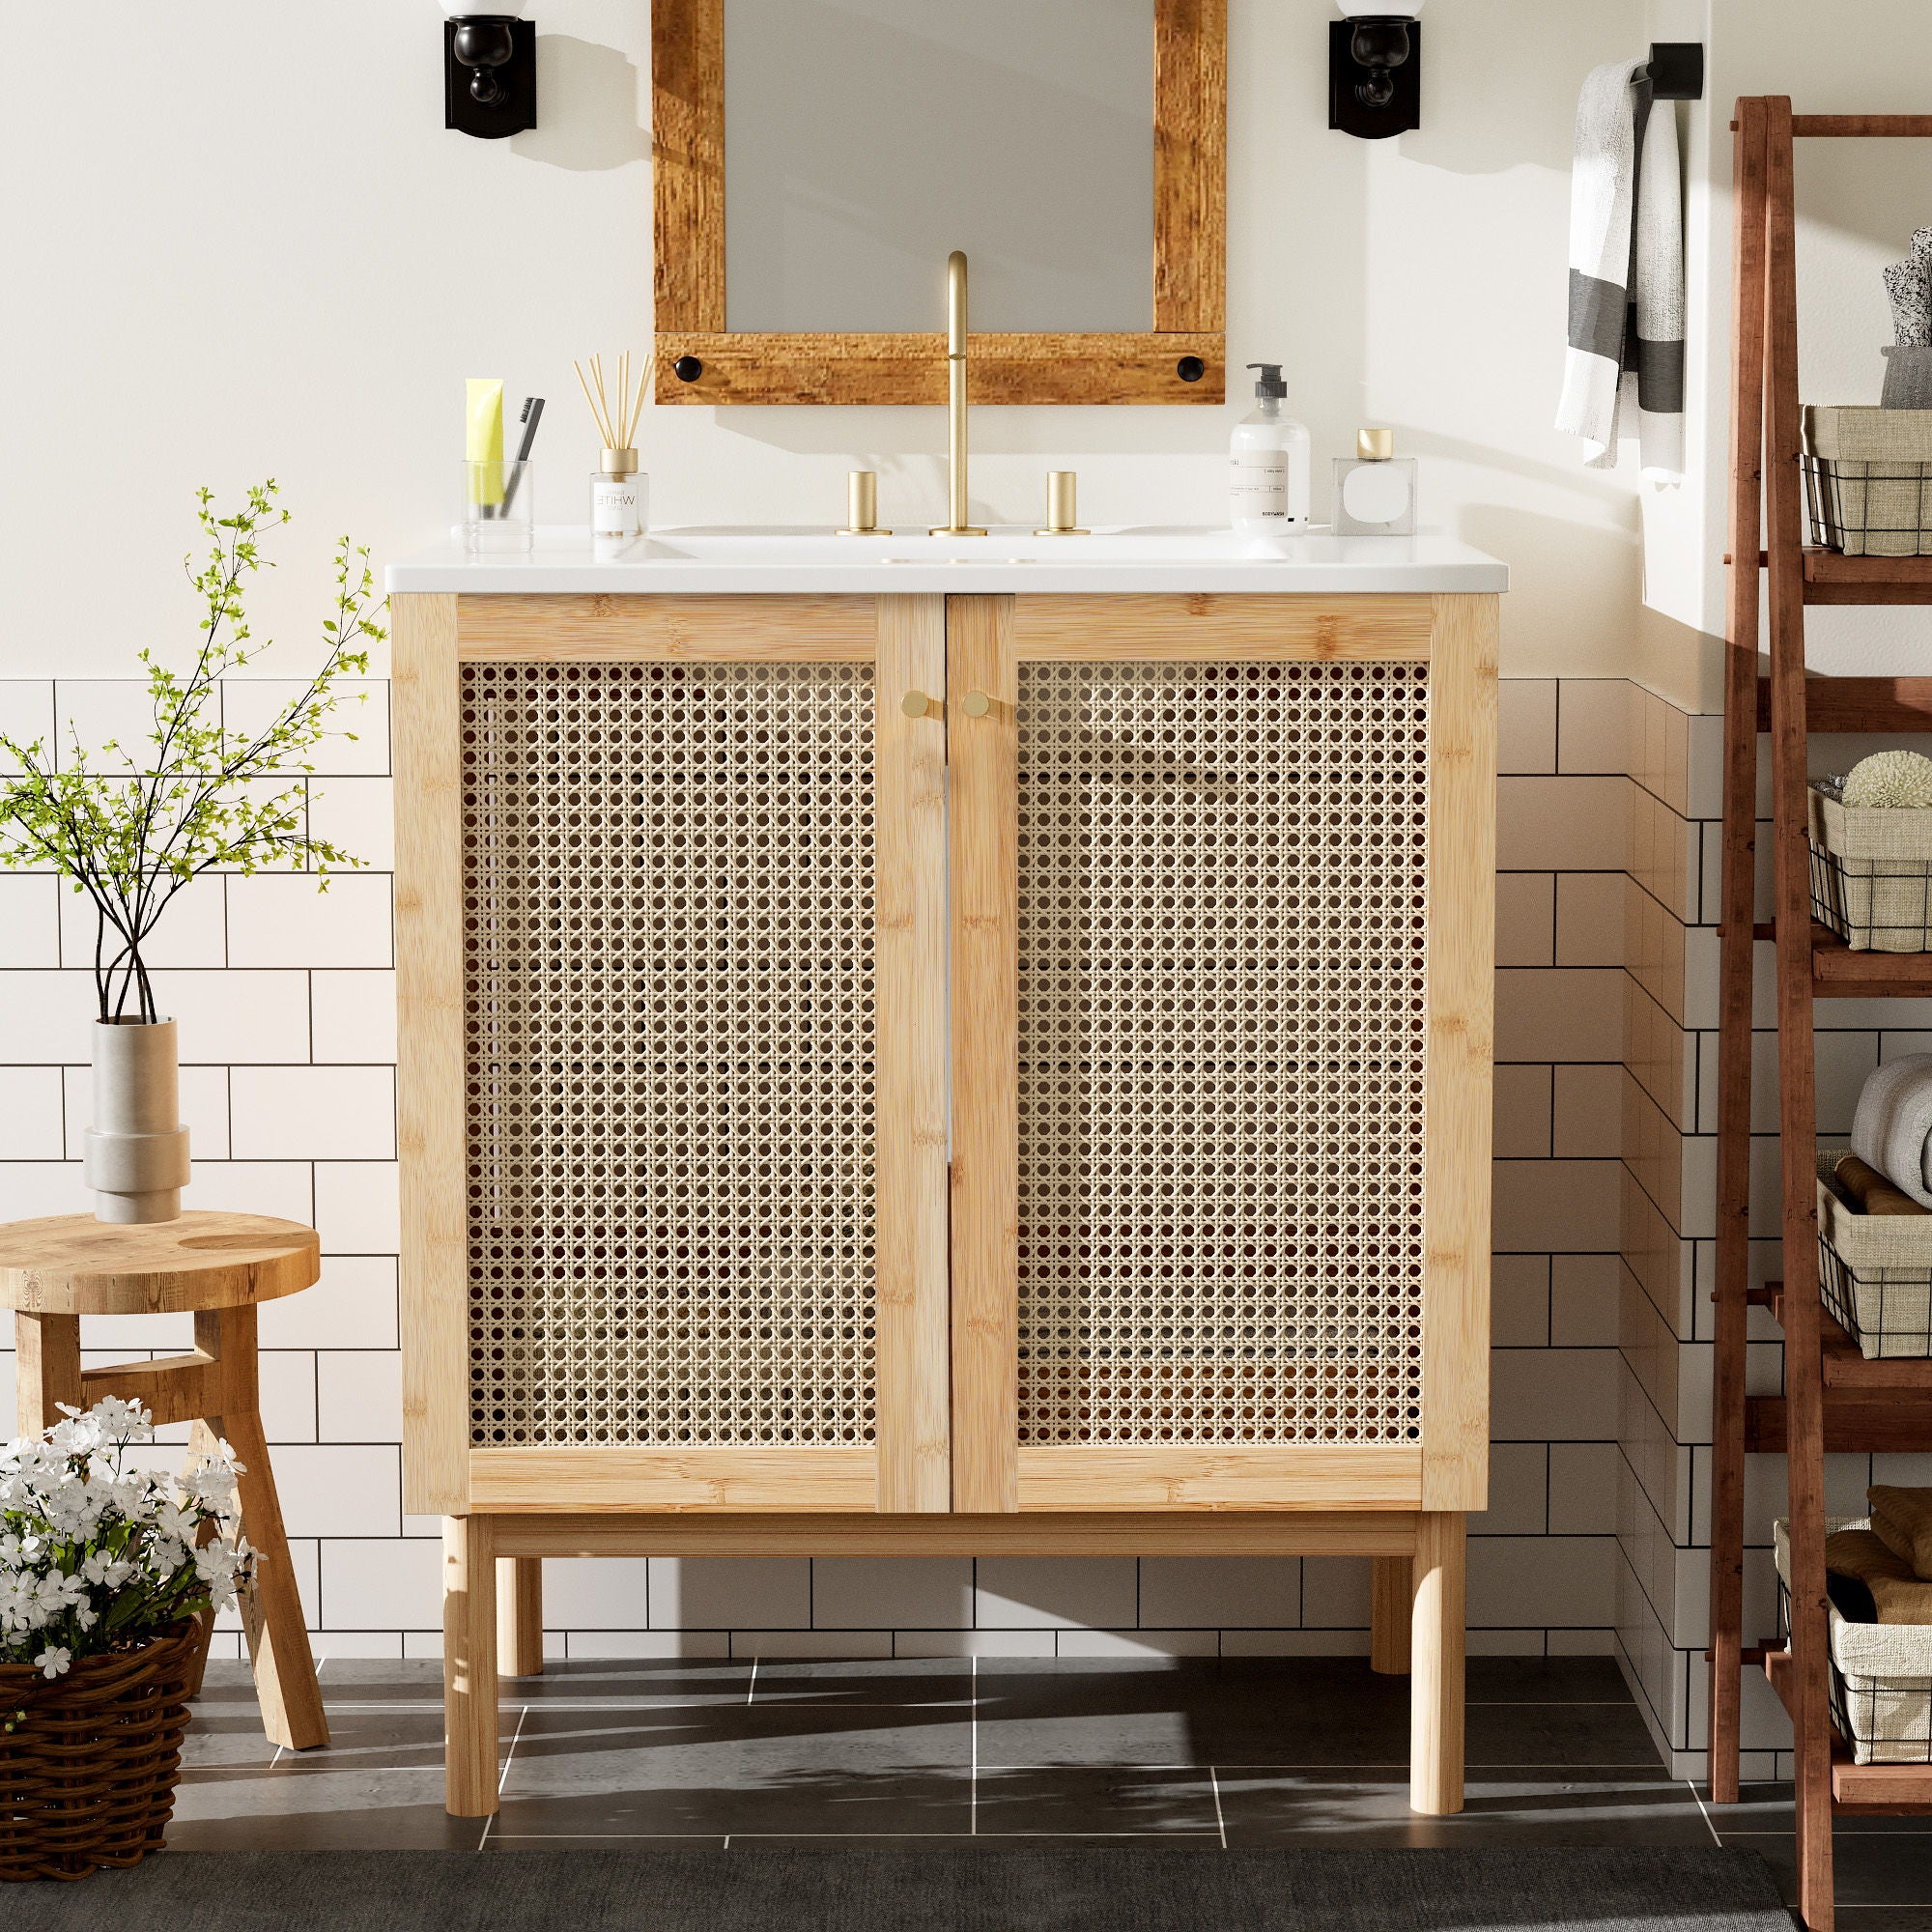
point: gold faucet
(956, 506)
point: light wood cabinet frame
(1189, 138)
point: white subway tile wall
(286, 1002)
(1667, 1263)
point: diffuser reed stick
(617, 427)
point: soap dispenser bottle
(1267, 463)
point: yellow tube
(483, 446)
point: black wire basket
(1886, 1311)
(1870, 509)
(1874, 1270)
(1876, 892)
(1865, 1714)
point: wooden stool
(216, 1267)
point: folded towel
(1892, 1126)
(1903, 1521)
(1871, 1190)
(1897, 1595)
(1625, 354)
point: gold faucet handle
(1063, 515)
(862, 505)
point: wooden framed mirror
(1082, 148)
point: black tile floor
(1206, 1753)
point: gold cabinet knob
(917, 704)
(976, 704)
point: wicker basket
(1871, 874)
(88, 1777)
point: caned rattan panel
(1222, 1032)
(669, 948)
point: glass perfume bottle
(1375, 489)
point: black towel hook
(1676, 71)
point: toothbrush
(532, 415)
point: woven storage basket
(1870, 477)
(1872, 874)
(1881, 1673)
(88, 1777)
(1877, 1273)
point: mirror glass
(866, 139)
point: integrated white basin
(789, 561)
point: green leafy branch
(132, 837)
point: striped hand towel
(1625, 357)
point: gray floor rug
(853, 1890)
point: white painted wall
(228, 256)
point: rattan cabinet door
(1218, 878)
(693, 954)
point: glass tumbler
(499, 508)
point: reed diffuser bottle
(620, 492)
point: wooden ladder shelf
(1834, 1399)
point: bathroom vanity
(914, 1046)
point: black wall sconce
(1374, 72)
(488, 75)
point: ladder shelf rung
(1846, 1367)
(1837, 973)
(1869, 1788)
(1857, 703)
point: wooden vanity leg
(468, 1666)
(520, 1616)
(1391, 1595)
(1435, 1685)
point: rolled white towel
(1893, 1128)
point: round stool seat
(74, 1264)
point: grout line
(1220, 1817)
(502, 1777)
(973, 1776)
(752, 1684)
(1715, 1838)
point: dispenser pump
(1267, 472)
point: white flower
(104, 1569)
(80, 1530)
(124, 1421)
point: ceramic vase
(1908, 377)
(136, 1150)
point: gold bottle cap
(621, 462)
(1375, 446)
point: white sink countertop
(793, 561)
